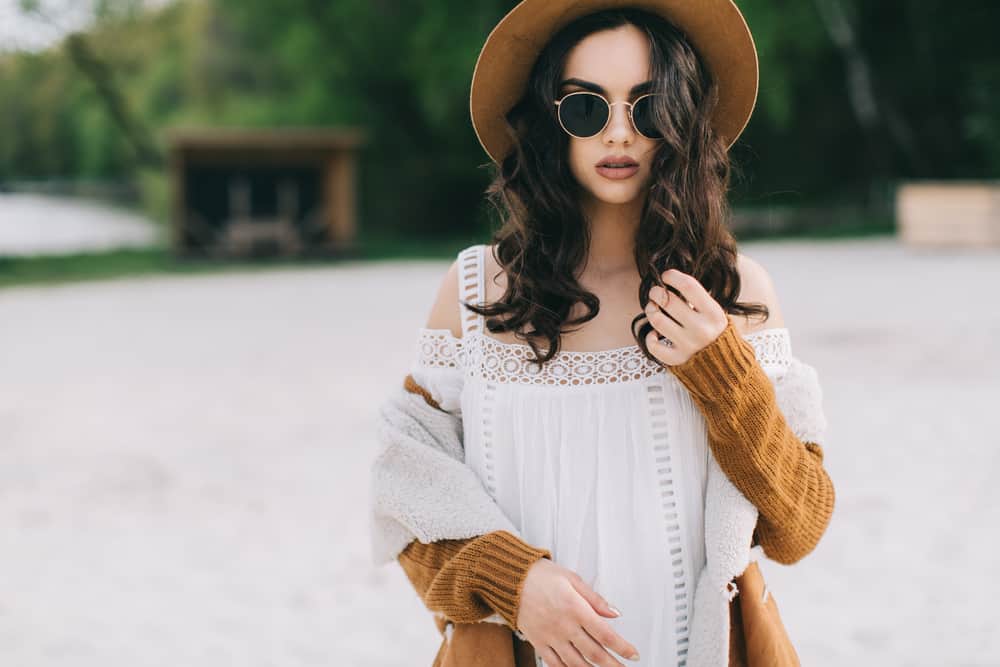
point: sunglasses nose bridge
(628, 114)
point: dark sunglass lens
(583, 115)
(642, 115)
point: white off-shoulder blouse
(600, 457)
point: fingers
(663, 323)
(600, 605)
(684, 312)
(571, 655)
(692, 291)
(672, 305)
(550, 657)
(593, 651)
(569, 631)
(605, 635)
(667, 355)
(590, 633)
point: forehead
(616, 59)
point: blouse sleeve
(437, 367)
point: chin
(622, 194)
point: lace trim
(437, 348)
(514, 362)
(497, 361)
(772, 347)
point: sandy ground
(184, 460)
(44, 225)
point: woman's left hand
(698, 319)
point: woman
(600, 448)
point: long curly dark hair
(544, 237)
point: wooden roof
(284, 138)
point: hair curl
(544, 237)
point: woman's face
(614, 63)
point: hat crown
(716, 30)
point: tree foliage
(854, 96)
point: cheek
(577, 159)
(647, 161)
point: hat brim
(715, 28)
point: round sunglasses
(584, 114)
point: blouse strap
(471, 287)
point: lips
(617, 161)
(617, 167)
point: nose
(619, 129)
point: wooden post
(178, 199)
(342, 210)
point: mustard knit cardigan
(464, 581)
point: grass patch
(100, 265)
(122, 263)
(151, 261)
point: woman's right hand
(558, 614)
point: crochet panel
(496, 361)
(514, 362)
(437, 367)
(772, 347)
(437, 348)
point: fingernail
(614, 610)
(634, 656)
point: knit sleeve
(780, 471)
(471, 579)
(437, 367)
(796, 384)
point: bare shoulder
(446, 313)
(756, 286)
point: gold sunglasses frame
(630, 105)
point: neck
(612, 236)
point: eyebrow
(593, 87)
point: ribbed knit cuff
(719, 368)
(500, 571)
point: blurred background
(221, 222)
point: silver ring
(666, 342)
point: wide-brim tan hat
(715, 28)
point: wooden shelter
(262, 192)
